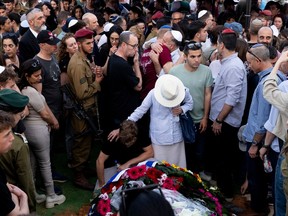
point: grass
(75, 197)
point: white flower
(109, 213)
(164, 176)
(104, 196)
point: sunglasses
(131, 193)
(194, 46)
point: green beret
(12, 99)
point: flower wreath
(170, 177)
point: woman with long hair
(77, 12)
(67, 47)
(38, 125)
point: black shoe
(57, 177)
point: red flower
(141, 170)
(103, 206)
(153, 174)
(169, 184)
(133, 173)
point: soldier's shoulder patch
(83, 80)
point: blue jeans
(280, 199)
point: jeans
(280, 199)
(195, 152)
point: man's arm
(100, 168)
(137, 71)
(148, 153)
(207, 101)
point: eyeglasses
(194, 46)
(250, 52)
(133, 46)
(36, 63)
(131, 193)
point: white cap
(177, 35)
(72, 22)
(202, 13)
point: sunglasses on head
(194, 46)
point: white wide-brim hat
(169, 90)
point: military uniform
(85, 87)
(17, 167)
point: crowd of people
(121, 73)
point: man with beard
(85, 85)
(28, 46)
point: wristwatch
(218, 121)
(266, 146)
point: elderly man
(28, 46)
(254, 133)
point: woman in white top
(165, 131)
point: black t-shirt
(123, 98)
(120, 153)
(51, 84)
(7, 204)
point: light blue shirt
(259, 109)
(165, 128)
(231, 89)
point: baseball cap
(46, 36)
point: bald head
(265, 35)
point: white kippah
(177, 35)
(202, 13)
(72, 23)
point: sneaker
(57, 177)
(53, 200)
(57, 190)
(40, 198)
(204, 176)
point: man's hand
(123, 166)
(203, 125)
(262, 152)
(154, 56)
(216, 128)
(253, 151)
(157, 47)
(113, 135)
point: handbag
(188, 127)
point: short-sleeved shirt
(196, 82)
(120, 153)
(149, 75)
(7, 204)
(121, 81)
(51, 84)
(36, 104)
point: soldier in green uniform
(85, 83)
